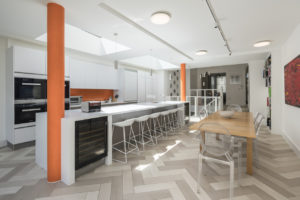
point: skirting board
(295, 148)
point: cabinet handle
(32, 84)
(30, 110)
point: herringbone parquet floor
(165, 171)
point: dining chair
(234, 107)
(218, 151)
(203, 113)
(258, 121)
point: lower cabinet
(26, 134)
(90, 141)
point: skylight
(150, 62)
(80, 40)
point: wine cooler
(90, 141)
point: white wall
(258, 92)
(277, 97)
(289, 116)
(3, 46)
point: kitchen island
(109, 114)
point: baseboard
(19, 146)
(3, 143)
(295, 148)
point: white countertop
(77, 114)
(118, 109)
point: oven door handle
(31, 109)
(32, 84)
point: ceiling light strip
(129, 21)
(218, 25)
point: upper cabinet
(26, 60)
(32, 61)
(88, 75)
(67, 66)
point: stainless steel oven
(29, 88)
(25, 112)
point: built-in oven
(29, 88)
(25, 113)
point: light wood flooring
(162, 172)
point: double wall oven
(31, 98)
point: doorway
(218, 81)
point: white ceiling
(191, 27)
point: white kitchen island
(113, 114)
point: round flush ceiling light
(201, 52)
(160, 17)
(262, 43)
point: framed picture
(235, 79)
(292, 82)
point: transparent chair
(217, 151)
(258, 120)
(203, 113)
(234, 107)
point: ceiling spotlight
(201, 52)
(160, 17)
(262, 43)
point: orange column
(55, 88)
(182, 82)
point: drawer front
(24, 135)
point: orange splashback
(92, 94)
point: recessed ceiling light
(160, 17)
(201, 52)
(262, 43)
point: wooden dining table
(241, 124)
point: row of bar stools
(161, 123)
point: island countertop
(117, 109)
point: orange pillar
(182, 82)
(55, 88)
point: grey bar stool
(144, 135)
(180, 117)
(166, 122)
(157, 129)
(126, 143)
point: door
(28, 88)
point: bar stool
(180, 113)
(174, 118)
(144, 131)
(166, 122)
(123, 125)
(157, 129)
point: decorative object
(226, 113)
(174, 83)
(292, 82)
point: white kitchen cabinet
(23, 135)
(77, 74)
(67, 66)
(88, 75)
(27, 60)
